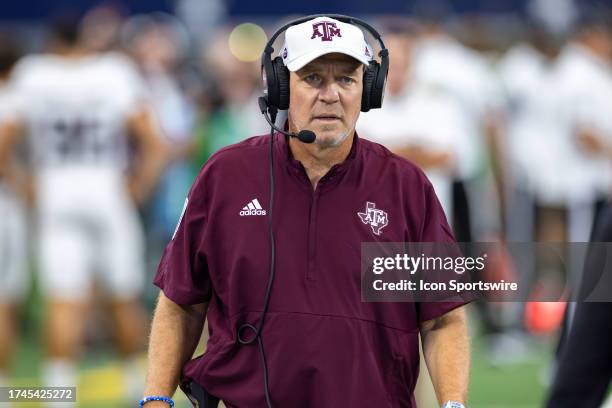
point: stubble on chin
(331, 142)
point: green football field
(512, 385)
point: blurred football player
(80, 112)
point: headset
(276, 96)
(276, 76)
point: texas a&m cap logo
(326, 30)
(311, 39)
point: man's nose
(329, 92)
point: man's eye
(312, 78)
(346, 80)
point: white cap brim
(302, 60)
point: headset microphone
(304, 136)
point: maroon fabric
(324, 346)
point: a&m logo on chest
(374, 217)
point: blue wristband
(156, 398)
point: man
(324, 347)
(440, 62)
(561, 142)
(14, 280)
(234, 117)
(77, 110)
(572, 180)
(583, 364)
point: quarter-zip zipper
(312, 222)
(312, 234)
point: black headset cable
(257, 330)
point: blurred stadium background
(486, 79)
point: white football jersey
(443, 63)
(577, 93)
(425, 117)
(75, 109)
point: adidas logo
(252, 208)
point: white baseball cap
(307, 41)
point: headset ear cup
(282, 80)
(270, 82)
(378, 88)
(369, 79)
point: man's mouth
(327, 118)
